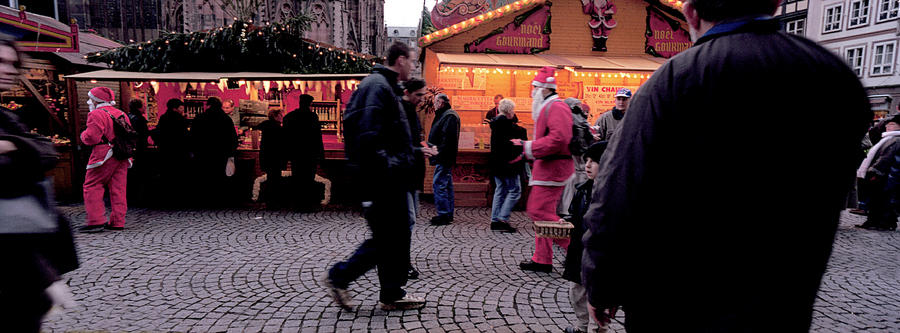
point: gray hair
(443, 97)
(507, 107)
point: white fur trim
(98, 100)
(551, 79)
(545, 183)
(544, 105)
(543, 85)
(528, 153)
(109, 154)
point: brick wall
(571, 35)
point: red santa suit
(601, 22)
(553, 163)
(104, 171)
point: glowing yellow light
(93, 81)
(508, 7)
(490, 14)
(471, 20)
(445, 31)
(480, 17)
(455, 27)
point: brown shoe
(340, 295)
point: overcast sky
(404, 13)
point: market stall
(597, 47)
(253, 94)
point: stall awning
(538, 60)
(111, 75)
(35, 32)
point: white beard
(537, 99)
(91, 105)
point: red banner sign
(665, 36)
(529, 33)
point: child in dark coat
(579, 206)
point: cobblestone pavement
(258, 271)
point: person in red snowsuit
(103, 171)
(553, 163)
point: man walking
(103, 170)
(733, 263)
(553, 163)
(380, 154)
(444, 136)
(609, 121)
(413, 91)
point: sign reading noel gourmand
(665, 36)
(529, 33)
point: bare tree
(243, 10)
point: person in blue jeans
(444, 136)
(504, 165)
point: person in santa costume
(103, 170)
(601, 12)
(553, 163)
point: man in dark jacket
(444, 136)
(215, 144)
(304, 148)
(380, 155)
(171, 137)
(720, 264)
(413, 91)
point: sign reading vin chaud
(665, 36)
(529, 33)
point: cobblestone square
(244, 270)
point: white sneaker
(406, 303)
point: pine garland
(241, 47)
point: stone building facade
(356, 25)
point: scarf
(864, 167)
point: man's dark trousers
(388, 249)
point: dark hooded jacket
(444, 135)
(377, 137)
(680, 223)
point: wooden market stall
(497, 51)
(253, 94)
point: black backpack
(125, 142)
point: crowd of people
(664, 220)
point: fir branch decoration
(240, 47)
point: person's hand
(429, 151)
(596, 137)
(563, 221)
(7, 147)
(516, 142)
(517, 159)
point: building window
(883, 55)
(859, 13)
(855, 56)
(833, 18)
(888, 9)
(796, 27)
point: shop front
(597, 47)
(253, 95)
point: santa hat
(545, 78)
(102, 95)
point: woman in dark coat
(139, 173)
(503, 168)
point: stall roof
(111, 75)
(529, 60)
(88, 43)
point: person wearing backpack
(582, 138)
(104, 170)
(553, 163)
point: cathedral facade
(352, 24)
